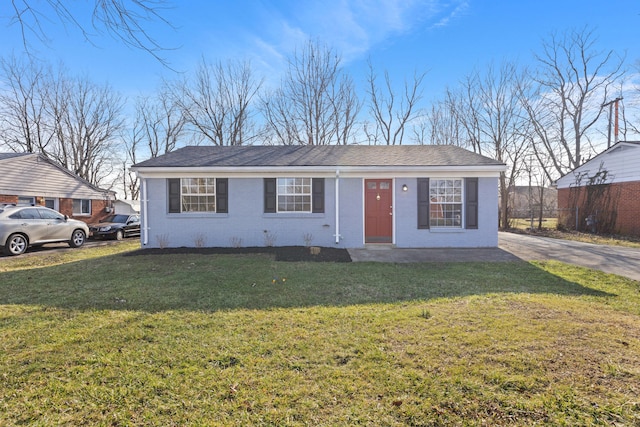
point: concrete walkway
(513, 247)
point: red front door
(378, 211)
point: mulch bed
(282, 253)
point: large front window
(294, 194)
(198, 194)
(445, 203)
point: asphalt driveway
(610, 259)
(512, 247)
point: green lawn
(525, 223)
(102, 337)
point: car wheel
(16, 245)
(119, 235)
(77, 239)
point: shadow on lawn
(205, 282)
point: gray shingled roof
(326, 155)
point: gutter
(316, 171)
(145, 215)
(337, 235)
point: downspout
(337, 206)
(145, 216)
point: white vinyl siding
(44, 179)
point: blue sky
(447, 38)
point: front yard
(106, 338)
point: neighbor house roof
(4, 156)
(27, 173)
(356, 159)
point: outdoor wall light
(405, 188)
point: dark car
(116, 226)
(25, 226)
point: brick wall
(97, 210)
(8, 199)
(66, 207)
(626, 210)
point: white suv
(24, 226)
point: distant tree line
(541, 122)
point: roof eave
(344, 171)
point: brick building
(32, 179)
(603, 195)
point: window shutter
(269, 195)
(222, 195)
(423, 203)
(317, 195)
(173, 185)
(471, 203)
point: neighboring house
(603, 195)
(345, 196)
(32, 179)
(126, 207)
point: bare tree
(125, 20)
(71, 120)
(467, 105)
(87, 121)
(130, 182)
(159, 123)
(390, 114)
(282, 125)
(440, 125)
(629, 107)
(316, 103)
(23, 125)
(157, 128)
(489, 109)
(346, 107)
(572, 83)
(217, 102)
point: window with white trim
(81, 207)
(26, 200)
(294, 195)
(51, 203)
(198, 194)
(445, 203)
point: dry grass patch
(549, 230)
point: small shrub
(199, 240)
(235, 242)
(163, 240)
(270, 238)
(307, 238)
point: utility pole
(610, 104)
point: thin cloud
(450, 15)
(352, 27)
